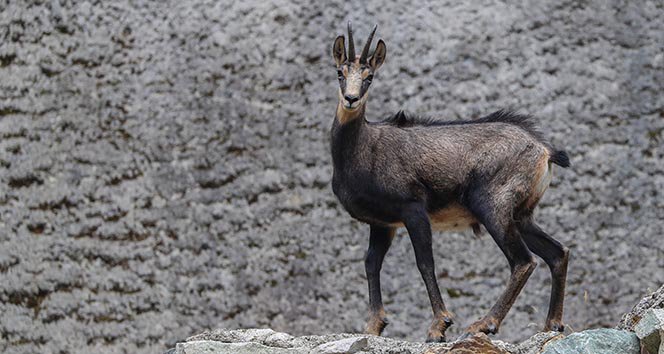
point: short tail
(560, 158)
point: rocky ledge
(640, 332)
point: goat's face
(356, 72)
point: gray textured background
(164, 166)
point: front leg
(419, 229)
(380, 239)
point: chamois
(419, 173)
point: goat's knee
(559, 262)
(531, 264)
(524, 265)
(562, 262)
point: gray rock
(600, 341)
(214, 347)
(259, 335)
(343, 346)
(534, 344)
(282, 340)
(654, 300)
(264, 340)
(479, 343)
(329, 343)
(596, 341)
(650, 331)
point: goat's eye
(340, 75)
(369, 78)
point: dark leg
(419, 230)
(519, 257)
(556, 256)
(380, 240)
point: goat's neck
(347, 136)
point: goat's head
(356, 72)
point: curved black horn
(351, 44)
(365, 51)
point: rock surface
(650, 331)
(164, 167)
(477, 344)
(343, 346)
(534, 344)
(212, 347)
(595, 341)
(262, 339)
(654, 300)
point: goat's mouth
(351, 106)
(354, 105)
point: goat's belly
(451, 218)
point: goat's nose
(351, 98)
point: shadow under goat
(420, 173)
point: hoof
(557, 326)
(448, 322)
(485, 325)
(440, 324)
(436, 339)
(376, 326)
(491, 328)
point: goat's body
(427, 174)
(391, 164)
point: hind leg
(500, 226)
(556, 257)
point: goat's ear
(378, 57)
(339, 51)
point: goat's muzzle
(350, 99)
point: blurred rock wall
(164, 166)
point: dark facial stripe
(365, 87)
